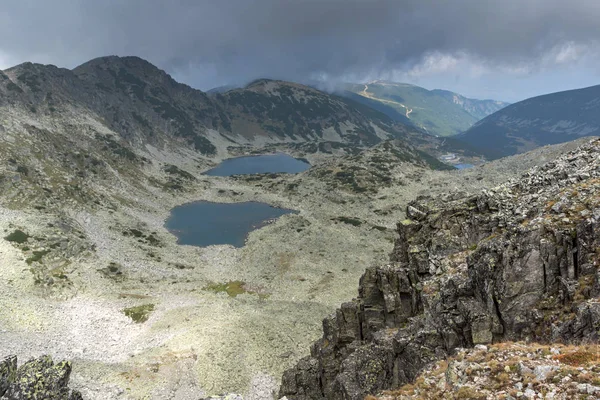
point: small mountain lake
(204, 223)
(463, 166)
(262, 164)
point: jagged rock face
(36, 379)
(517, 262)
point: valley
(221, 319)
(93, 161)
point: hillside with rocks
(510, 370)
(517, 262)
(91, 163)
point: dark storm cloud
(237, 40)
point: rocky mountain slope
(508, 370)
(552, 118)
(439, 112)
(477, 108)
(518, 262)
(144, 105)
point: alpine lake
(205, 223)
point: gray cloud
(208, 42)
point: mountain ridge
(547, 119)
(144, 103)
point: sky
(501, 49)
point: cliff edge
(519, 262)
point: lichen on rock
(37, 379)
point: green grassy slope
(439, 112)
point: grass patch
(139, 314)
(174, 170)
(232, 288)
(113, 271)
(37, 256)
(17, 236)
(348, 220)
(578, 358)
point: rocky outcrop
(519, 262)
(36, 379)
(508, 371)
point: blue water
(271, 163)
(204, 223)
(464, 166)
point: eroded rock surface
(519, 262)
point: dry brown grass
(580, 358)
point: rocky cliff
(519, 262)
(36, 379)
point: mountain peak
(276, 87)
(390, 83)
(131, 63)
(29, 67)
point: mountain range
(92, 161)
(548, 119)
(144, 105)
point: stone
(38, 378)
(8, 370)
(541, 372)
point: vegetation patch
(111, 145)
(149, 239)
(579, 358)
(139, 314)
(13, 87)
(348, 220)
(233, 288)
(17, 236)
(37, 256)
(113, 271)
(174, 170)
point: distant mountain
(548, 119)
(222, 89)
(477, 108)
(439, 112)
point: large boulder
(36, 379)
